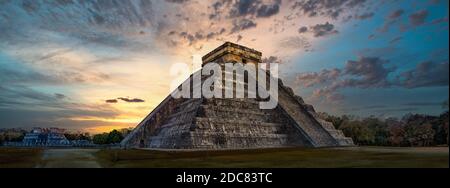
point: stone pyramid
(216, 123)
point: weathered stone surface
(234, 123)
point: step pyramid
(217, 123)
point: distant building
(45, 137)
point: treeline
(113, 137)
(410, 130)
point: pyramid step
(233, 102)
(305, 121)
(183, 111)
(231, 122)
(187, 103)
(237, 113)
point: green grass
(285, 157)
(371, 157)
(19, 157)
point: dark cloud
(60, 96)
(212, 35)
(418, 18)
(43, 109)
(239, 38)
(189, 37)
(328, 8)
(424, 104)
(440, 20)
(391, 19)
(61, 116)
(395, 40)
(253, 8)
(20, 93)
(325, 29)
(95, 22)
(366, 72)
(268, 10)
(242, 24)
(133, 100)
(125, 99)
(426, 74)
(365, 16)
(272, 59)
(313, 78)
(373, 72)
(370, 70)
(302, 29)
(395, 14)
(177, 1)
(111, 101)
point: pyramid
(235, 123)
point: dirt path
(68, 158)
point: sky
(98, 65)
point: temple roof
(232, 48)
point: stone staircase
(224, 123)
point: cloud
(111, 101)
(395, 40)
(239, 38)
(177, 1)
(254, 8)
(268, 10)
(366, 72)
(426, 74)
(212, 35)
(302, 29)
(365, 16)
(325, 29)
(242, 24)
(271, 59)
(395, 14)
(333, 9)
(370, 70)
(295, 43)
(125, 99)
(131, 100)
(391, 19)
(60, 96)
(425, 103)
(418, 18)
(313, 78)
(439, 20)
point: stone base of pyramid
(234, 124)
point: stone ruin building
(235, 123)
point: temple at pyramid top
(231, 52)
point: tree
(396, 135)
(114, 137)
(379, 129)
(100, 138)
(419, 135)
(361, 134)
(440, 126)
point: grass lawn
(284, 157)
(19, 157)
